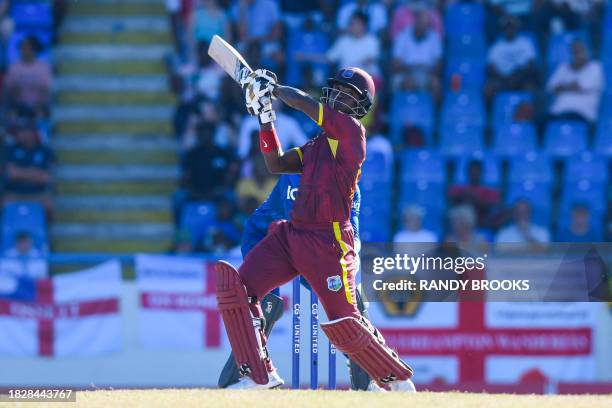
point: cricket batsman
(318, 242)
(277, 207)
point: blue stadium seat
(460, 139)
(411, 108)
(491, 170)
(472, 72)
(463, 18)
(464, 107)
(14, 43)
(559, 47)
(564, 138)
(470, 46)
(24, 217)
(585, 191)
(586, 166)
(32, 14)
(375, 223)
(313, 42)
(603, 136)
(196, 217)
(429, 195)
(538, 193)
(505, 105)
(514, 139)
(422, 165)
(376, 167)
(531, 166)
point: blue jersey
(278, 207)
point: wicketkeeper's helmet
(357, 79)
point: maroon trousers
(322, 254)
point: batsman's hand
(258, 95)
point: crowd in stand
(27, 30)
(486, 89)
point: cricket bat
(229, 59)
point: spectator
(580, 228)
(376, 12)
(413, 227)
(207, 170)
(208, 19)
(304, 45)
(28, 167)
(378, 142)
(417, 52)
(259, 185)
(193, 82)
(533, 237)
(462, 230)
(482, 198)
(576, 87)
(28, 81)
(183, 244)
(257, 20)
(498, 10)
(511, 61)
(23, 247)
(356, 48)
(291, 133)
(404, 16)
(223, 235)
(23, 259)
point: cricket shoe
(247, 383)
(402, 385)
(373, 387)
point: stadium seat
(559, 47)
(531, 166)
(491, 170)
(414, 109)
(603, 136)
(585, 191)
(564, 138)
(471, 72)
(464, 107)
(24, 217)
(14, 43)
(375, 223)
(429, 195)
(32, 14)
(538, 194)
(312, 42)
(470, 46)
(510, 140)
(460, 139)
(422, 165)
(586, 166)
(376, 167)
(196, 217)
(505, 104)
(463, 17)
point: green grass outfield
(204, 398)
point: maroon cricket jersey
(331, 166)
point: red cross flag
(178, 309)
(496, 342)
(75, 314)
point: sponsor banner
(76, 314)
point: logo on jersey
(334, 283)
(348, 73)
(291, 193)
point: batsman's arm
(299, 100)
(277, 162)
